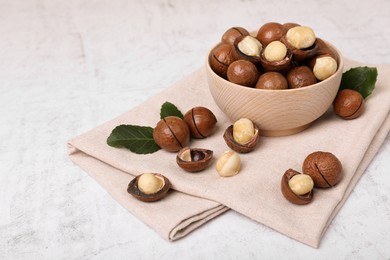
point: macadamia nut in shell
(275, 51)
(324, 67)
(348, 104)
(301, 37)
(250, 46)
(150, 183)
(324, 168)
(243, 72)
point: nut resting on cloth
(229, 164)
(149, 187)
(201, 122)
(296, 187)
(242, 136)
(324, 167)
(171, 133)
(194, 159)
(348, 104)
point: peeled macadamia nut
(243, 130)
(272, 80)
(301, 37)
(348, 104)
(301, 184)
(324, 67)
(250, 46)
(228, 164)
(232, 34)
(150, 183)
(275, 51)
(243, 72)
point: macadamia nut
(301, 37)
(275, 51)
(301, 184)
(250, 46)
(228, 164)
(243, 130)
(324, 67)
(150, 183)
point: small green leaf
(361, 79)
(138, 139)
(169, 109)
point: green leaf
(169, 109)
(361, 79)
(138, 139)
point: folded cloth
(255, 191)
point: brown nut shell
(242, 56)
(348, 104)
(281, 65)
(241, 148)
(300, 76)
(201, 122)
(194, 159)
(301, 54)
(232, 34)
(323, 49)
(221, 57)
(324, 168)
(288, 26)
(171, 133)
(243, 72)
(133, 189)
(270, 32)
(289, 194)
(272, 80)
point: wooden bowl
(275, 112)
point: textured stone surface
(67, 66)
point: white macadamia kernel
(301, 37)
(301, 184)
(275, 51)
(150, 183)
(250, 46)
(243, 130)
(324, 67)
(186, 155)
(228, 164)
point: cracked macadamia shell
(288, 192)
(221, 57)
(324, 168)
(348, 104)
(232, 34)
(194, 159)
(171, 133)
(158, 187)
(201, 122)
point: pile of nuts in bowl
(277, 56)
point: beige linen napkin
(255, 191)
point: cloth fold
(255, 191)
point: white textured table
(68, 66)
